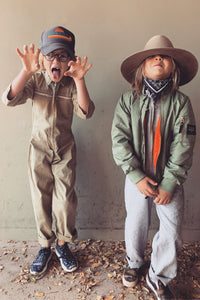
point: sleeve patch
(191, 129)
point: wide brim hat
(159, 44)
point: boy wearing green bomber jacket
(153, 136)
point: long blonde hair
(137, 84)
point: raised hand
(30, 58)
(78, 69)
(30, 61)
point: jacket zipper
(182, 127)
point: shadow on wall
(98, 179)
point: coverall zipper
(53, 115)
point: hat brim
(55, 46)
(186, 61)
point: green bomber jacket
(178, 132)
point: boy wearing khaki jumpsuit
(56, 91)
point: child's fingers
(78, 60)
(152, 181)
(19, 52)
(157, 200)
(37, 52)
(32, 51)
(25, 49)
(32, 46)
(71, 63)
(84, 62)
(88, 67)
(67, 73)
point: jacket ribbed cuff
(168, 185)
(136, 175)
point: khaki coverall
(52, 154)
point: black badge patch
(191, 129)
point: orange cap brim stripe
(69, 39)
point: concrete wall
(107, 31)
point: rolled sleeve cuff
(91, 109)
(5, 98)
(85, 115)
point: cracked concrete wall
(107, 32)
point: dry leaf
(39, 294)
(113, 274)
(121, 296)
(109, 253)
(24, 250)
(96, 265)
(145, 289)
(9, 251)
(99, 297)
(109, 298)
(71, 277)
(83, 246)
(195, 296)
(195, 282)
(33, 279)
(1, 268)
(59, 283)
(97, 273)
(16, 280)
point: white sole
(41, 274)
(151, 286)
(63, 266)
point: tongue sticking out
(56, 73)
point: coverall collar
(49, 81)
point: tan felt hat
(159, 44)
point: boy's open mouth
(56, 73)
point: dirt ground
(101, 265)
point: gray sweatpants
(166, 240)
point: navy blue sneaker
(41, 261)
(67, 260)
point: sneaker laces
(66, 252)
(41, 255)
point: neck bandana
(153, 88)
